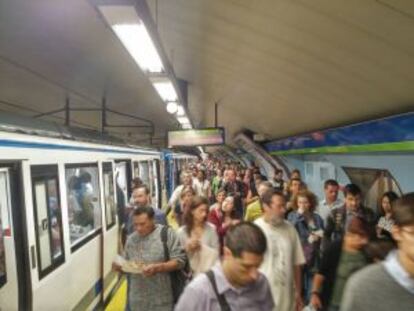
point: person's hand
(301, 210)
(315, 301)
(116, 267)
(299, 302)
(151, 269)
(193, 245)
(235, 222)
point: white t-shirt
(284, 252)
(175, 196)
(201, 187)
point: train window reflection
(110, 208)
(84, 209)
(4, 213)
(48, 219)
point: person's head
(221, 195)
(143, 220)
(353, 197)
(304, 201)
(244, 247)
(201, 175)
(262, 187)
(141, 195)
(187, 195)
(231, 175)
(357, 234)
(136, 182)
(228, 205)
(195, 171)
(295, 185)
(186, 178)
(387, 200)
(295, 174)
(197, 213)
(331, 188)
(85, 177)
(274, 206)
(403, 229)
(219, 172)
(278, 174)
(378, 250)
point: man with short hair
(254, 209)
(331, 201)
(339, 261)
(277, 180)
(186, 180)
(388, 285)
(284, 257)
(236, 281)
(235, 189)
(340, 217)
(141, 196)
(151, 290)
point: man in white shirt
(331, 201)
(284, 257)
(186, 180)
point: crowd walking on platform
(236, 240)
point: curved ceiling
(277, 67)
(282, 67)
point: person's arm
(298, 287)
(315, 299)
(299, 261)
(192, 299)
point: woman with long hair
(386, 220)
(199, 237)
(223, 218)
(175, 215)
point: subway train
(60, 189)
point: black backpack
(179, 278)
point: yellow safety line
(118, 302)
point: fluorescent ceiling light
(133, 34)
(166, 90)
(180, 111)
(172, 107)
(137, 41)
(183, 120)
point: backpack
(179, 278)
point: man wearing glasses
(388, 285)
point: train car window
(84, 208)
(109, 193)
(144, 172)
(48, 217)
(136, 169)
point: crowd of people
(237, 241)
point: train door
(157, 183)
(123, 181)
(14, 279)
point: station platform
(118, 301)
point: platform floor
(119, 300)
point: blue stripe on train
(33, 145)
